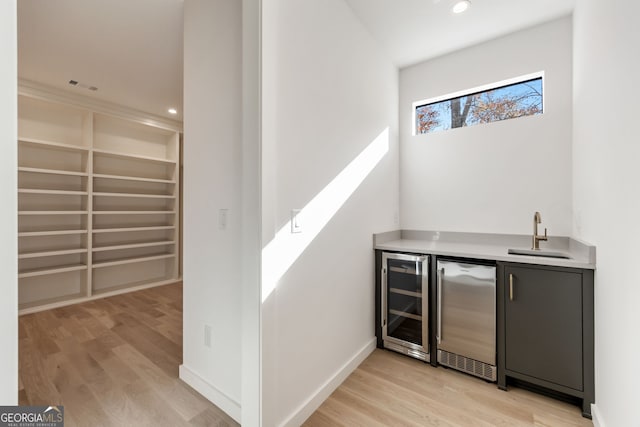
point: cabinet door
(543, 322)
(405, 308)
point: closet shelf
(133, 178)
(130, 229)
(131, 260)
(51, 253)
(133, 156)
(52, 212)
(133, 212)
(140, 195)
(52, 144)
(51, 270)
(51, 171)
(84, 174)
(133, 286)
(50, 233)
(30, 307)
(133, 245)
(44, 191)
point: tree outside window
(501, 103)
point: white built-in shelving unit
(98, 203)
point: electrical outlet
(223, 218)
(207, 335)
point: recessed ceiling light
(172, 111)
(461, 6)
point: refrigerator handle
(510, 287)
(424, 291)
(383, 297)
(439, 332)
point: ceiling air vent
(82, 85)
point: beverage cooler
(405, 304)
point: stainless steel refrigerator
(466, 319)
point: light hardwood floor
(113, 362)
(390, 389)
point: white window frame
(465, 92)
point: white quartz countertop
(487, 246)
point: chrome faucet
(535, 241)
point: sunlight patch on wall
(285, 248)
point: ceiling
(414, 30)
(131, 50)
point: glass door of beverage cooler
(405, 304)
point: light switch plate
(296, 227)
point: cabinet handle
(510, 286)
(439, 332)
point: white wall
(8, 219)
(606, 203)
(328, 92)
(251, 215)
(493, 177)
(212, 181)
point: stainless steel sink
(541, 253)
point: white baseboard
(215, 396)
(595, 416)
(314, 401)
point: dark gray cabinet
(545, 329)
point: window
(501, 101)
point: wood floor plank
(132, 336)
(86, 409)
(40, 335)
(22, 398)
(447, 389)
(212, 417)
(113, 362)
(343, 415)
(388, 384)
(158, 411)
(76, 328)
(122, 409)
(381, 414)
(184, 403)
(62, 373)
(119, 371)
(319, 419)
(415, 407)
(37, 385)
